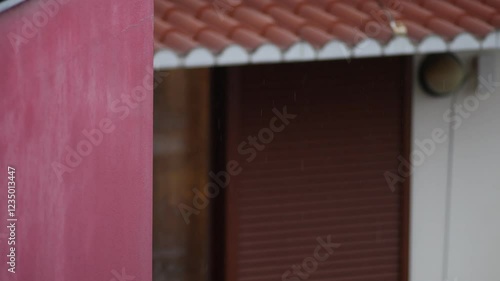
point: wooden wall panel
(181, 161)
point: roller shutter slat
(323, 175)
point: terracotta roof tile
(196, 6)
(247, 38)
(252, 17)
(458, 16)
(266, 28)
(287, 19)
(280, 36)
(479, 10)
(416, 13)
(262, 5)
(493, 3)
(348, 13)
(213, 19)
(416, 30)
(162, 8)
(315, 36)
(167, 35)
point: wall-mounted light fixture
(441, 74)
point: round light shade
(442, 74)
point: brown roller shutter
(321, 175)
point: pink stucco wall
(81, 146)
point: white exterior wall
(455, 212)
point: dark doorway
(318, 175)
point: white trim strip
(199, 57)
(432, 44)
(9, 4)
(333, 50)
(166, 59)
(300, 51)
(399, 46)
(367, 48)
(490, 41)
(233, 55)
(464, 42)
(267, 53)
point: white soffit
(266, 53)
(199, 57)
(165, 59)
(399, 46)
(233, 55)
(490, 41)
(432, 44)
(300, 51)
(367, 48)
(333, 50)
(464, 42)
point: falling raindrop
(304, 79)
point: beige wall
(455, 226)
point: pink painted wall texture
(76, 124)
